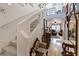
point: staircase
(10, 50)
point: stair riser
(3, 55)
(9, 51)
(9, 54)
(13, 44)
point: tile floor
(55, 48)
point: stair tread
(13, 43)
(2, 54)
(10, 50)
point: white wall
(27, 38)
(8, 21)
(65, 31)
(78, 37)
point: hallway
(42, 29)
